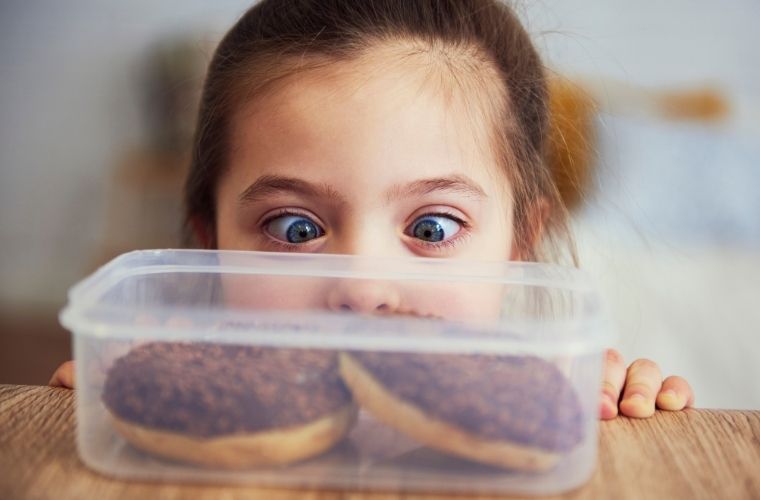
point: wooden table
(689, 454)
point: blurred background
(656, 147)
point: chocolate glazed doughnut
(229, 406)
(516, 412)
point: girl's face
(365, 158)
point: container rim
(330, 266)
(85, 314)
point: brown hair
(277, 38)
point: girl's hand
(63, 376)
(642, 389)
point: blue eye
(293, 228)
(434, 228)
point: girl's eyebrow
(268, 185)
(458, 184)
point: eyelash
(283, 245)
(442, 246)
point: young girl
(387, 128)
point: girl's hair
(277, 38)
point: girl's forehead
(380, 116)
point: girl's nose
(363, 296)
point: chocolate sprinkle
(522, 399)
(207, 390)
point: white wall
(70, 102)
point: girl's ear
(538, 214)
(203, 232)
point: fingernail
(669, 400)
(607, 407)
(637, 400)
(637, 406)
(607, 399)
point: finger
(63, 376)
(675, 394)
(643, 383)
(612, 384)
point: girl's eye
(293, 228)
(434, 228)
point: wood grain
(689, 454)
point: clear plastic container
(338, 371)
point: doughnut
(514, 412)
(228, 406)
